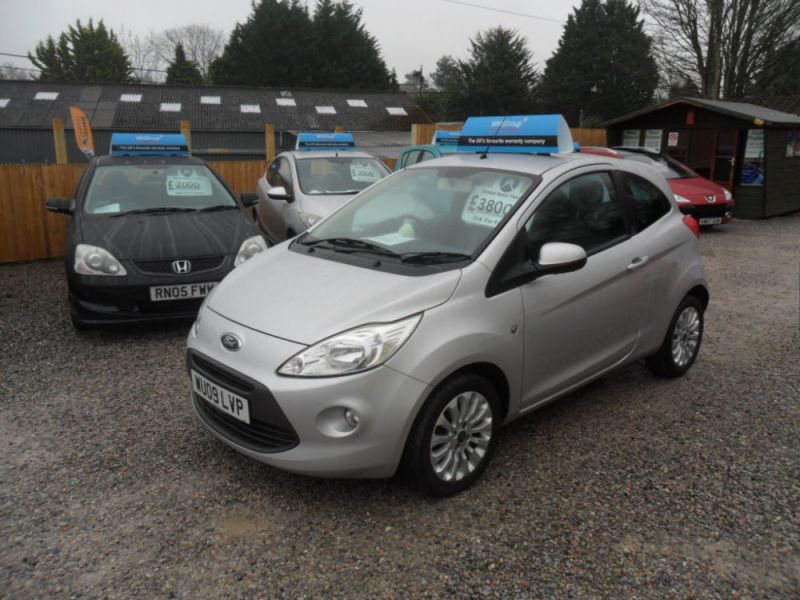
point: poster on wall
(652, 139)
(753, 167)
(630, 137)
(672, 139)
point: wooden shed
(751, 150)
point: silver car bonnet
(305, 299)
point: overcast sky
(410, 32)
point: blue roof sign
(149, 144)
(325, 141)
(522, 134)
(445, 138)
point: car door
(275, 217)
(579, 324)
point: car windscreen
(338, 174)
(446, 210)
(116, 189)
(668, 168)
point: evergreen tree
(347, 55)
(182, 70)
(603, 66)
(86, 54)
(498, 78)
(272, 48)
(281, 45)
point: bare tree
(722, 45)
(201, 43)
(145, 61)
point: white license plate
(226, 401)
(711, 221)
(183, 291)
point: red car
(709, 203)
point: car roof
(148, 160)
(300, 154)
(535, 164)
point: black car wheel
(454, 436)
(682, 342)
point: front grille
(162, 267)
(269, 429)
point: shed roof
(740, 110)
(147, 107)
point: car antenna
(486, 150)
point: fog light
(351, 418)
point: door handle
(637, 262)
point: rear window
(668, 168)
(117, 189)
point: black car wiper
(342, 192)
(217, 208)
(347, 244)
(432, 257)
(155, 211)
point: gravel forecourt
(634, 487)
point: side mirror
(558, 257)
(249, 199)
(60, 205)
(279, 193)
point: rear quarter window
(648, 203)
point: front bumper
(701, 212)
(97, 300)
(385, 401)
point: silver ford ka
(446, 300)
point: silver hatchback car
(304, 185)
(448, 299)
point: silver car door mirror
(279, 193)
(559, 257)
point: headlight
(249, 248)
(308, 219)
(681, 200)
(728, 196)
(352, 351)
(93, 260)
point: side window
(285, 174)
(648, 203)
(409, 158)
(273, 179)
(425, 155)
(583, 211)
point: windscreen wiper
(218, 208)
(432, 257)
(346, 244)
(155, 211)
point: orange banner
(83, 131)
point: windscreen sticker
(487, 205)
(106, 208)
(185, 182)
(362, 170)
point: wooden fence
(28, 231)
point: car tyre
(454, 436)
(78, 325)
(682, 342)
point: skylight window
(130, 98)
(4, 102)
(210, 100)
(45, 96)
(285, 102)
(325, 110)
(170, 107)
(250, 108)
(396, 111)
(356, 103)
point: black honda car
(150, 234)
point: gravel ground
(633, 487)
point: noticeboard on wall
(753, 167)
(652, 139)
(630, 138)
